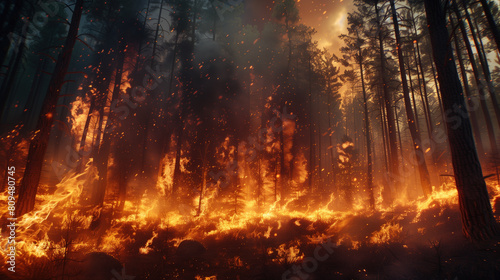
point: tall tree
(479, 82)
(478, 222)
(355, 50)
(410, 117)
(393, 177)
(39, 143)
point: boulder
(190, 249)
(100, 266)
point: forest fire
(199, 139)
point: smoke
(329, 18)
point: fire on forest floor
(414, 239)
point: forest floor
(402, 243)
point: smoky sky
(327, 17)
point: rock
(100, 266)
(190, 249)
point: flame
(272, 219)
(388, 232)
(79, 111)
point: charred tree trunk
(312, 163)
(27, 115)
(102, 158)
(383, 123)
(479, 83)
(155, 41)
(148, 169)
(330, 141)
(38, 145)
(7, 30)
(204, 169)
(81, 148)
(7, 86)
(483, 60)
(491, 22)
(393, 176)
(369, 171)
(415, 133)
(478, 222)
(413, 99)
(178, 150)
(472, 112)
(3, 16)
(187, 57)
(423, 97)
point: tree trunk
(330, 141)
(102, 158)
(485, 67)
(155, 41)
(369, 171)
(478, 222)
(424, 81)
(472, 112)
(3, 16)
(423, 97)
(491, 22)
(415, 134)
(27, 115)
(10, 25)
(312, 162)
(12, 74)
(39, 143)
(413, 99)
(436, 84)
(479, 83)
(393, 176)
(81, 148)
(383, 124)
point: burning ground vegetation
(304, 237)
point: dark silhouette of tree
(478, 222)
(479, 82)
(355, 51)
(287, 12)
(393, 176)
(410, 116)
(38, 145)
(491, 21)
